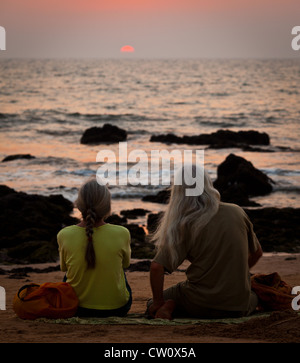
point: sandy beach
(279, 327)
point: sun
(127, 49)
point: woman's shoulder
(67, 230)
(117, 228)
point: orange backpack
(54, 300)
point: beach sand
(281, 327)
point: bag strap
(23, 288)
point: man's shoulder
(231, 209)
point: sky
(154, 28)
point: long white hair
(185, 217)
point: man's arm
(157, 284)
(254, 257)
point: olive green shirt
(218, 276)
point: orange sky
(206, 28)
(206, 6)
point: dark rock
(153, 220)
(140, 266)
(277, 229)
(106, 134)
(134, 213)
(116, 219)
(237, 179)
(18, 156)
(137, 233)
(29, 269)
(237, 194)
(167, 139)
(5, 190)
(162, 197)
(218, 139)
(140, 246)
(36, 252)
(30, 224)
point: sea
(47, 104)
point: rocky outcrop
(30, 224)
(17, 156)
(107, 134)
(237, 180)
(218, 139)
(161, 197)
(277, 229)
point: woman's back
(102, 287)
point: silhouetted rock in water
(17, 156)
(162, 197)
(30, 224)
(106, 134)
(218, 139)
(237, 179)
(278, 230)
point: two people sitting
(216, 238)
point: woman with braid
(94, 254)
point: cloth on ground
(272, 292)
(140, 319)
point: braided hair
(90, 220)
(94, 203)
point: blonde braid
(90, 220)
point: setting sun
(127, 49)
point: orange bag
(272, 292)
(54, 300)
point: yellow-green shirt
(103, 287)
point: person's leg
(173, 304)
(166, 311)
(253, 303)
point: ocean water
(46, 105)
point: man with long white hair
(218, 240)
